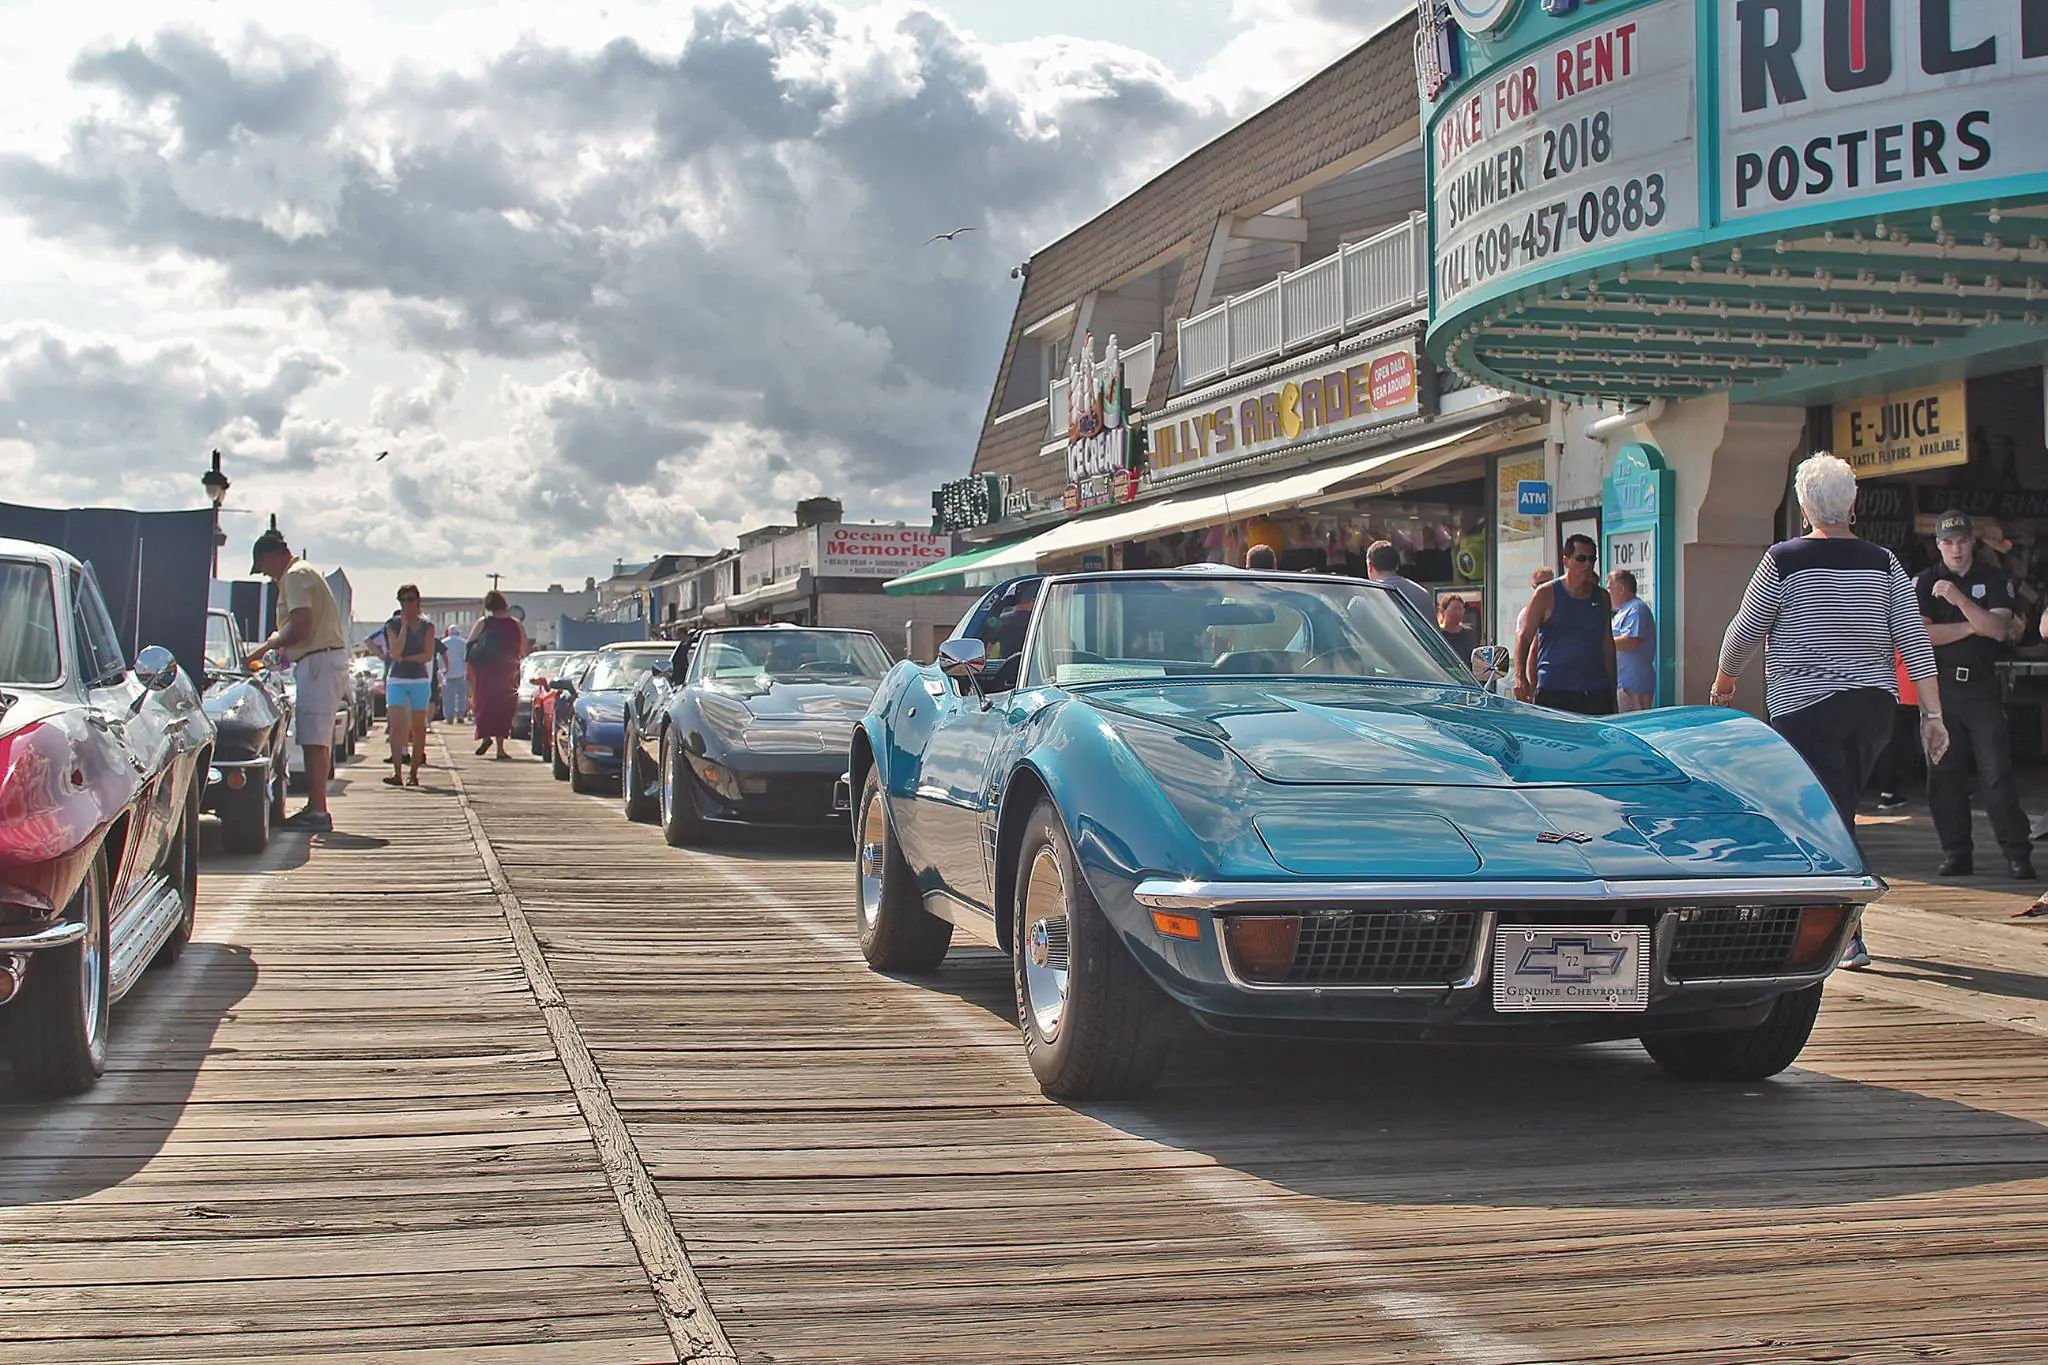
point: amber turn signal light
(1171, 925)
(1262, 946)
(1818, 927)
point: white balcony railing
(1380, 277)
(1138, 364)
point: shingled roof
(1364, 99)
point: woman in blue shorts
(408, 686)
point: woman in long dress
(497, 643)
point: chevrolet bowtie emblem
(1577, 836)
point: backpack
(484, 648)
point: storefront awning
(968, 571)
(1191, 511)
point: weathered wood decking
(355, 1137)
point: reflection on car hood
(1364, 734)
(797, 701)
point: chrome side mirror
(1490, 663)
(156, 668)
(962, 659)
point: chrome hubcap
(1045, 946)
(872, 860)
(668, 780)
(89, 987)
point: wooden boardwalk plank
(337, 1130)
(865, 1171)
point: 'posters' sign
(876, 551)
(1826, 101)
(1583, 144)
(1895, 432)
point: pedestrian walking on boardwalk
(497, 643)
(1566, 635)
(1635, 644)
(1968, 609)
(408, 686)
(1830, 610)
(455, 691)
(1383, 565)
(309, 632)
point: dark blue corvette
(1278, 803)
(590, 714)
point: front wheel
(896, 933)
(681, 823)
(640, 807)
(1746, 1054)
(556, 765)
(57, 1034)
(1095, 1026)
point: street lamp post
(216, 485)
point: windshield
(621, 672)
(28, 625)
(754, 657)
(543, 664)
(1111, 630)
(222, 656)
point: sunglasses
(1585, 559)
(403, 600)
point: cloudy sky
(605, 278)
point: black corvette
(755, 731)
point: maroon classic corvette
(102, 765)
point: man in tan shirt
(309, 632)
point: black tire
(57, 1026)
(185, 871)
(896, 932)
(681, 823)
(1116, 1028)
(535, 739)
(1748, 1054)
(640, 807)
(278, 779)
(245, 816)
(560, 769)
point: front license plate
(1604, 967)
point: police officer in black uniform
(1968, 608)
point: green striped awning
(969, 571)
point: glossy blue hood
(1360, 733)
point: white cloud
(601, 287)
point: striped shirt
(1833, 615)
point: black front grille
(1742, 940)
(1369, 948)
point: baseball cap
(1953, 523)
(270, 541)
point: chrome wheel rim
(668, 780)
(872, 858)
(1044, 946)
(91, 948)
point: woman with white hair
(1830, 612)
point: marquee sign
(1641, 198)
(1584, 144)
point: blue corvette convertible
(590, 712)
(1277, 802)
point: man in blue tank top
(1568, 633)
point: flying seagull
(950, 236)
(382, 453)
